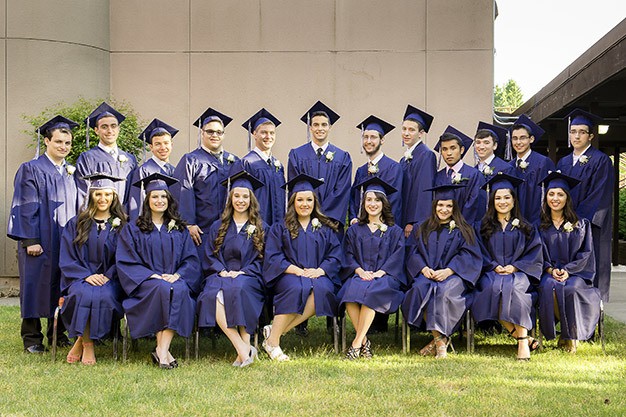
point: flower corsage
(523, 164)
(330, 156)
(408, 155)
(383, 228)
(115, 223)
(568, 227)
(487, 171)
(122, 158)
(583, 159)
(277, 164)
(457, 178)
(250, 230)
(372, 169)
(514, 223)
(315, 224)
(230, 158)
(451, 226)
(70, 169)
(171, 226)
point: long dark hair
(490, 223)
(258, 237)
(386, 214)
(144, 222)
(291, 218)
(432, 223)
(569, 215)
(85, 219)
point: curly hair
(254, 218)
(291, 217)
(569, 215)
(386, 216)
(85, 219)
(432, 223)
(490, 223)
(144, 222)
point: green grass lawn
(316, 382)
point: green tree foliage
(508, 97)
(128, 139)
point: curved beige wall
(174, 58)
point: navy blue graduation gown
(97, 160)
(318, 248)
(419, 176)
(578, 301)
(445, 302)
(84, 302)
(201, 197)
(154, 304)
(334, 193)
(509, 297)
(147, 168)
(593, 200)
(497, 165)
(271, 196)
(529, 192)
(373, 252)
(43, 202)
(389, 171)
(472, 200)
(243, 296)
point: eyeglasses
(211, 132)
(520, 137)
(578, 132)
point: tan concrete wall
(174, 58)
(49, 52)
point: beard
(374, 151)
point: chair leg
(469, 331)
(344, 330)
(601, 327)
(116, 338)
(55, 324)
(536, 331)
(336, 335)
(196, 342)
(396, 332)
(125, 340)
(406, 337)
(188, 348)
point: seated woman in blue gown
(566, 291)
(88, 275)
(443, 262)
(234, 293)
(512, 264)
(373, 266)
(301, 265)
(159, 270)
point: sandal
(267, 330)
(523, 358)
(254, 354)
(275, 352)
(533, 344)
(442, 350)
(353, 353)
(366, 350)
(88, 361)
(429, 349)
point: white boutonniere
(583, 159)
(250, 230)
(487, 171)
(122, 158)
(115, 223)
(330, 156)
(171, 226)
(408, 155)
(277, 164)
(457, 178)
(514, 223)
(315, 224)
(568, 227)
(523, 165)
(383, 228)
(70, 169)
(372, 169)
(230, 158)
(451, 226)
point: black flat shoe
(35, 349)
(155, 358)
(165, 366)
(174, 363)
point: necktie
(112, 152)
(218, 155)
(519, 161)
(450, 173)
(319, 153)
(269, 161)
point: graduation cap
(242, 179)
(155, 127)
(375, 184)
(302, 182)
(374, 123)
(101, 180)
(210, 115)
(57, 122)
(103, 110)
(532, 127)
(581, 117)
(498, 133)
(259, 118)
(465, 140)
(156, 181)
(502, 181)
(445, 191)
(420, 116)
(555, 179)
